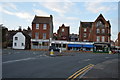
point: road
(36, 64)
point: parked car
(54, 48)
(115, 51)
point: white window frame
(44, 26)
(85, 29)
(37, 26)
(98, 39)
(103, 38)
(44, 35)
(103, 30)
(84, 34)
(84, 40)
(63, 29)
(98, 30)
(36, 37)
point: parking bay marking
(79, 72)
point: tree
(28, 28)
(19, 29)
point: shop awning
(74, 45)
(88, 46)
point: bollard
(60, 51)
(110, 52)
(51, 52)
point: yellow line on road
(79, 71)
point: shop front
(101, 47)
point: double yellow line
(79, 72)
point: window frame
(98, 30)
(103, 38)
(44, 26)
(36, 36)
(22, 44)
(103, 30)
(84, 35)
(98, 39)
(85, 29)
(16, 38)
(63, 30)
(37, 26)
(15, 44)
(44, 35)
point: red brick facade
(98, 31)
(119, 39)
(40, 30)
(63, 32)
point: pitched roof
(86, 24)
(100, 16)
(42, 19)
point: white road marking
(24, 59)
(87, 59)
(106, 57)
(17, 60)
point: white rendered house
(19, 41)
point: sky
(15, 14)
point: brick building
(42, 32)
(73, 37)
(98, 31)
(63, 32)
(119, 39)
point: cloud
(58, 7)
(23, 15)
(9, 6)
(40, 12)
(96, 7)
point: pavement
(37, 64)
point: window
(108, 39)
(37, 26)
(98, 38)
(15, 44)
(84, 35)
(100, 24)
(85, 29)
(16, 38)
(103, 30)
(84, 40)
(22, 44)
(62, 29)
(98, 30)
(36, 35)
(44, 26)
(103, 39)
(44, 35)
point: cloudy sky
(15, 14)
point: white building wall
(21, 39)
